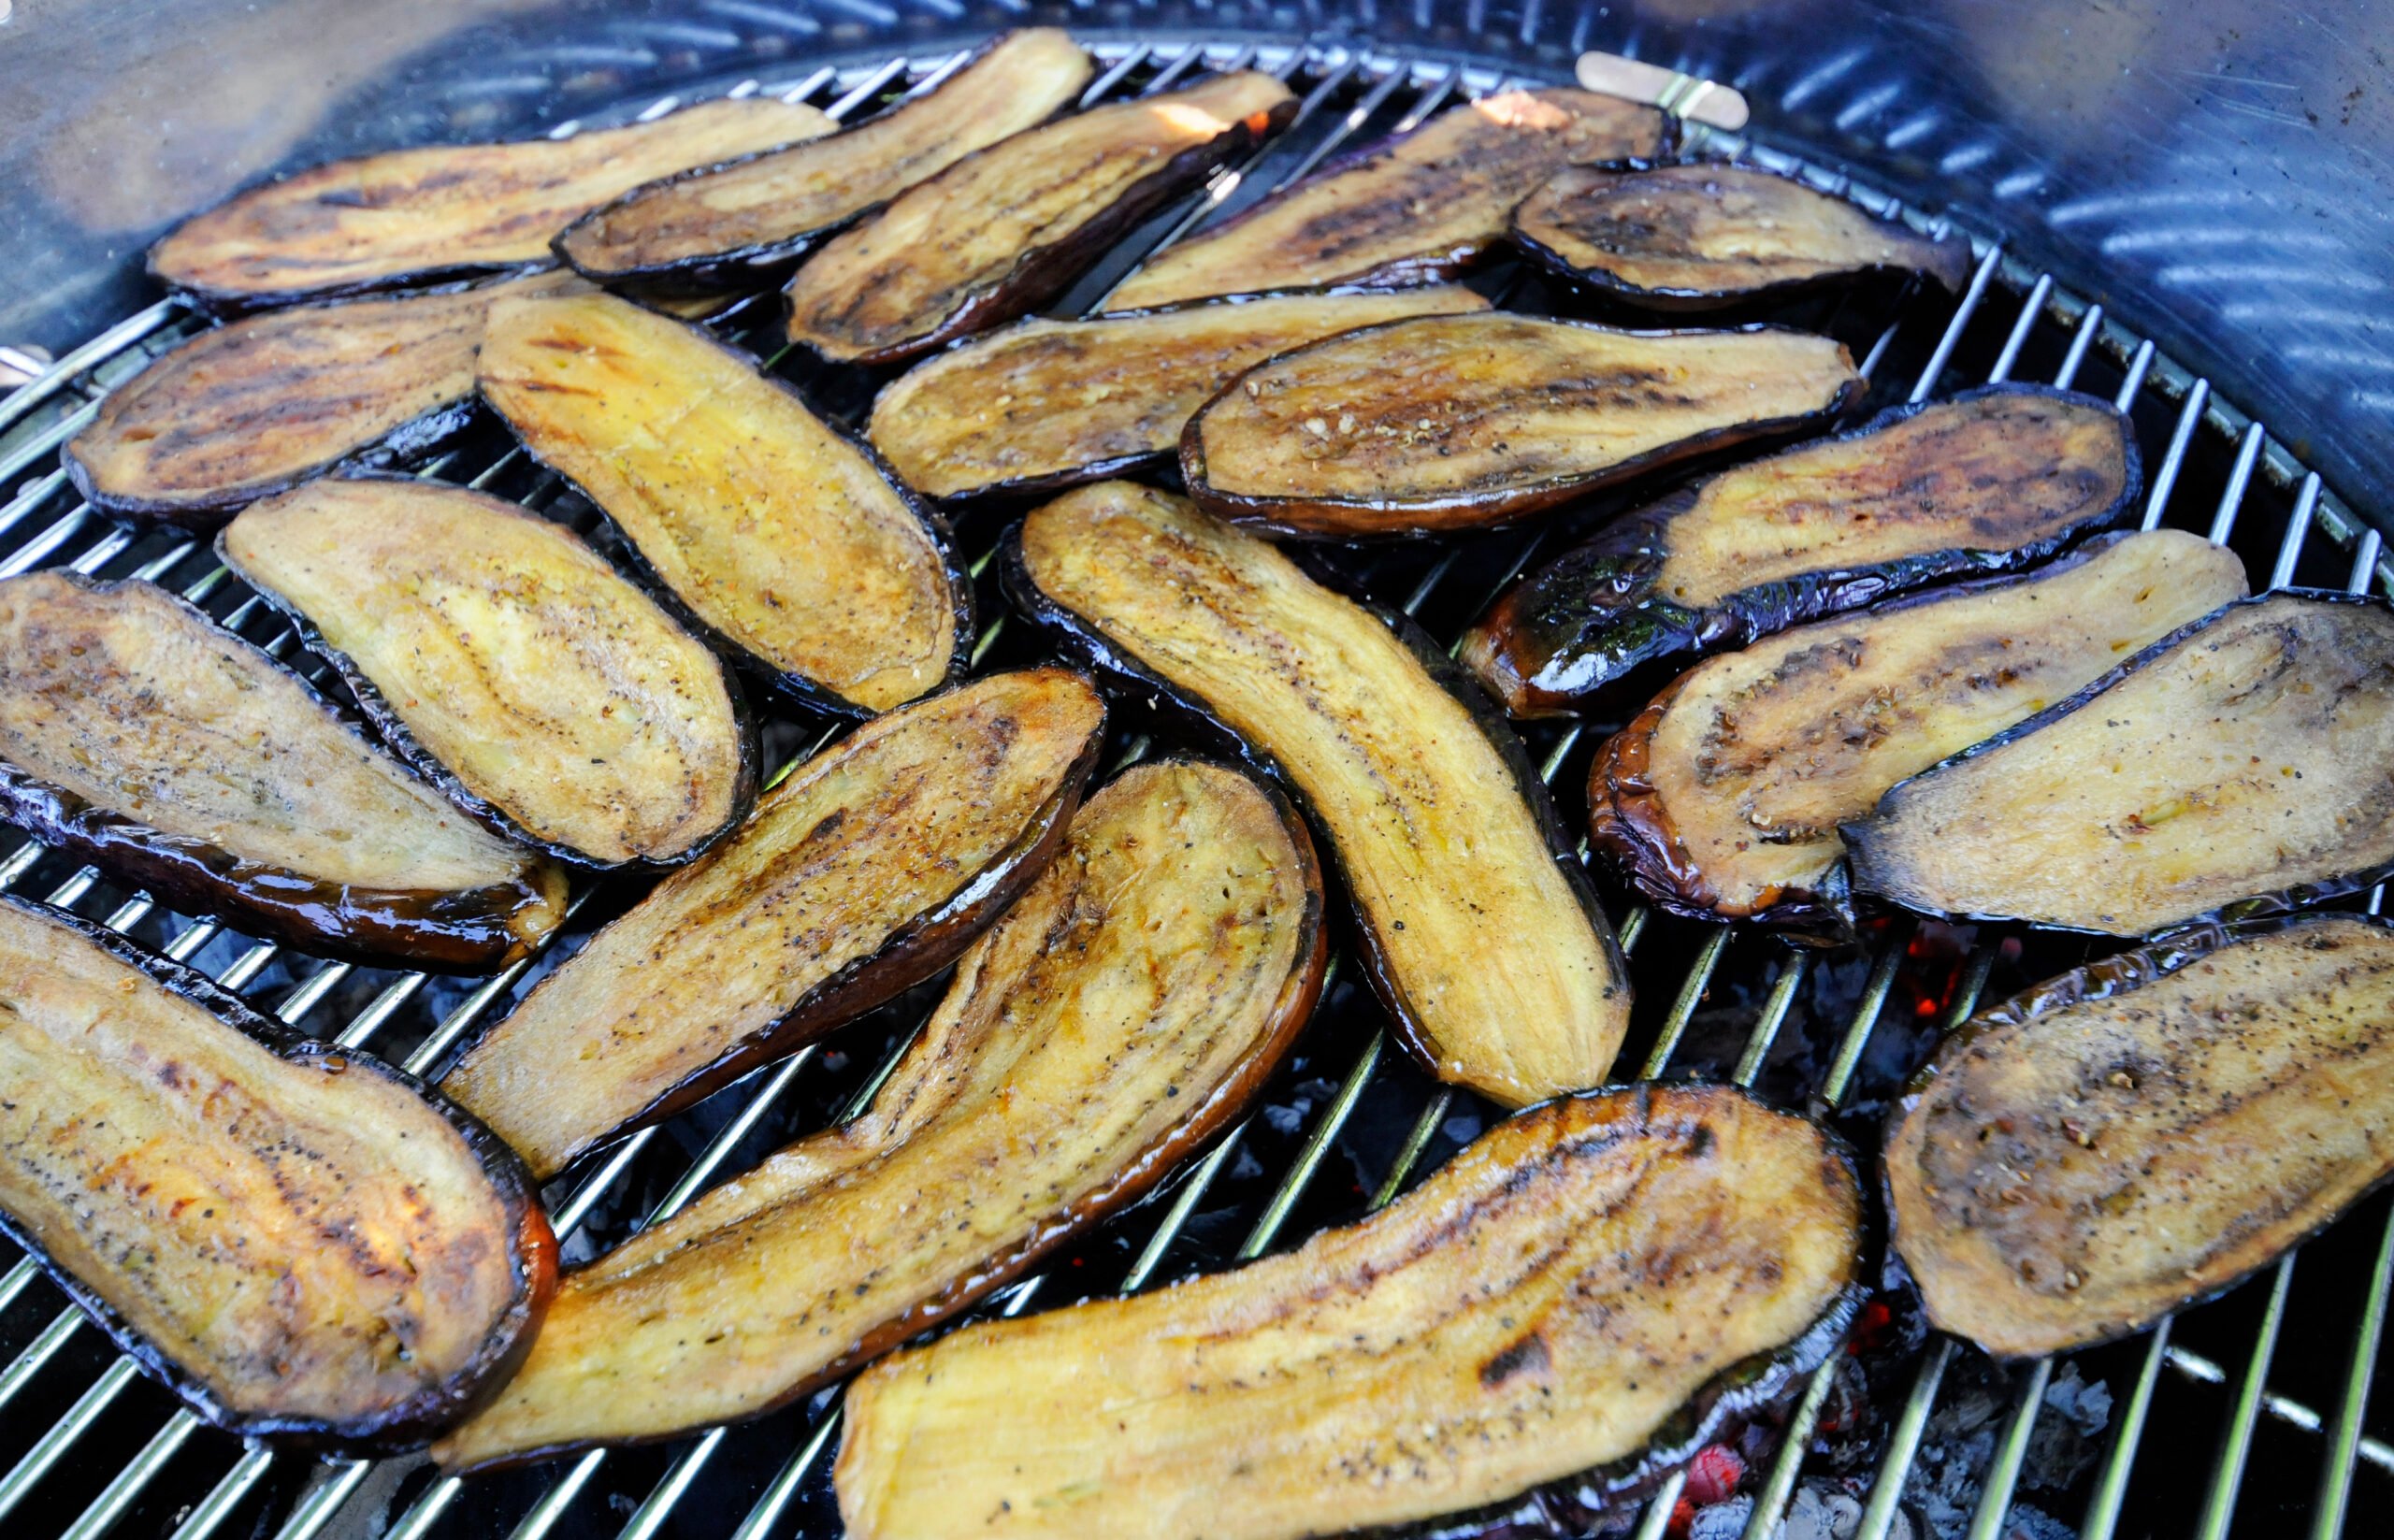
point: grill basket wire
(2270, 1383)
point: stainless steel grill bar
(117, 339)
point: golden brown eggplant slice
(1123, 1010)
(2239, 766)
(1005, 228)
(509, 665)
(1572, 1308)
(731, 223)
(1459, 421)
(1479, 928)
(1987, 481)
(863, 874)
(1046, 404)
(1418, 209)
(297, 1239)
(408, 215)
(785, 540)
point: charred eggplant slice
(728, 224)
(863, 874)
(1418, 209)
(1479, 928)
(786, 540)
(1123, 1010)
(509, 665)
(177, 1162)
(1723, 798)
(407, 216)
(1005, 228)
(1983, 483)
(2242, 765)
(1508, 1349)
(1460, 422)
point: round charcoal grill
(2249, 1416)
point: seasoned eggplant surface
(1126, 1008)
(1459, 421)
(177, 1162)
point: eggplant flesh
(1982, 483)
(510, 664)
(1724, 798)
(2239, 766)
(1572, 1307)
(180, 1163)
(1006, 228)
(1461, 422)
(1417, 209)
(1480, 932)
(780, 535)
(1127, 1006)
(863, 874)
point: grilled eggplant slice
(509, 665)
(1723, 798)
(783, 538)
(1460, 422)
(1479, 930)
(407, 216)
(2240, 765)
(1127, 1008)
(1513, 1348)
(138, 734)
(862, 874)
(729, 224)
(1006, 228)
(1044, 405)
(1418, 209)
(298, 1239)
(1986, 482)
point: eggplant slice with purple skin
(1006, 228)
(783, 540)
(1421, 207)
(861, 874)
(1986, 482)
(2241, 766)
(176, 1162)
(1462, 421)
(1129, 1007)
(1723, 799)
(1574, 1308)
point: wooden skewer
(1681, 96)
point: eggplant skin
(1004, 229)
(357, 1149)
(1464, 422)
(1990, 481)
(1504, 1350)
(864, 872)
(1128, 1008)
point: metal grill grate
(2272, 1382)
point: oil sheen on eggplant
(290, 1234)
(779, 535)
(730, 224)
(1575, 1305)
(1723, 798)
(1985, 481)
(138, 734)
(1417, 209)
(514, 668)
(2243, 765)
(1127, 1006)
(1460, 422)
(861, 874)
(405, 216)
(1006, 228)
(1478, 928)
